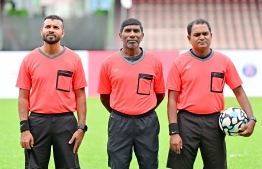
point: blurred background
(94, 24)
(92, 28)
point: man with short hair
(51, 84)
(131, 86)
(195, 86)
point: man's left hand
(247, 129)
(77, 138)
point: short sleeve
(159, 86)
(24, 78)
(79, 80)
(173, 78)
(104, 86)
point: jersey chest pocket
(217, 82)
(64, 80)
(144, 84)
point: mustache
(50, 34)
(132, 40)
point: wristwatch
(252, 118)
(82, 127)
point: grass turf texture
(242, 153)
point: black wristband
(173, 128)
(24, 125)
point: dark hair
(197, 22)
(131, 21)
(52, 17)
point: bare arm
(81, 105)
(105, 99)
(246, 106)
(26, 140)
(23, 104)
(160, 97)
(175, 140)
(171, 106)
(81, 114)
(243, 100)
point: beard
(51, 40)
(132, 45)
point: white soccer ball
(231, 119)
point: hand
(247, 129)
(176, 143)
(26, 140)
(77, 138)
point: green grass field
(243, 153)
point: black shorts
(138, 133)
(52, 130)
(199, 132)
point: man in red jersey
(195, 86)
(51, 84)
(131, 86)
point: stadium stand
(236, 24)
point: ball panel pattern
(231, 119)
